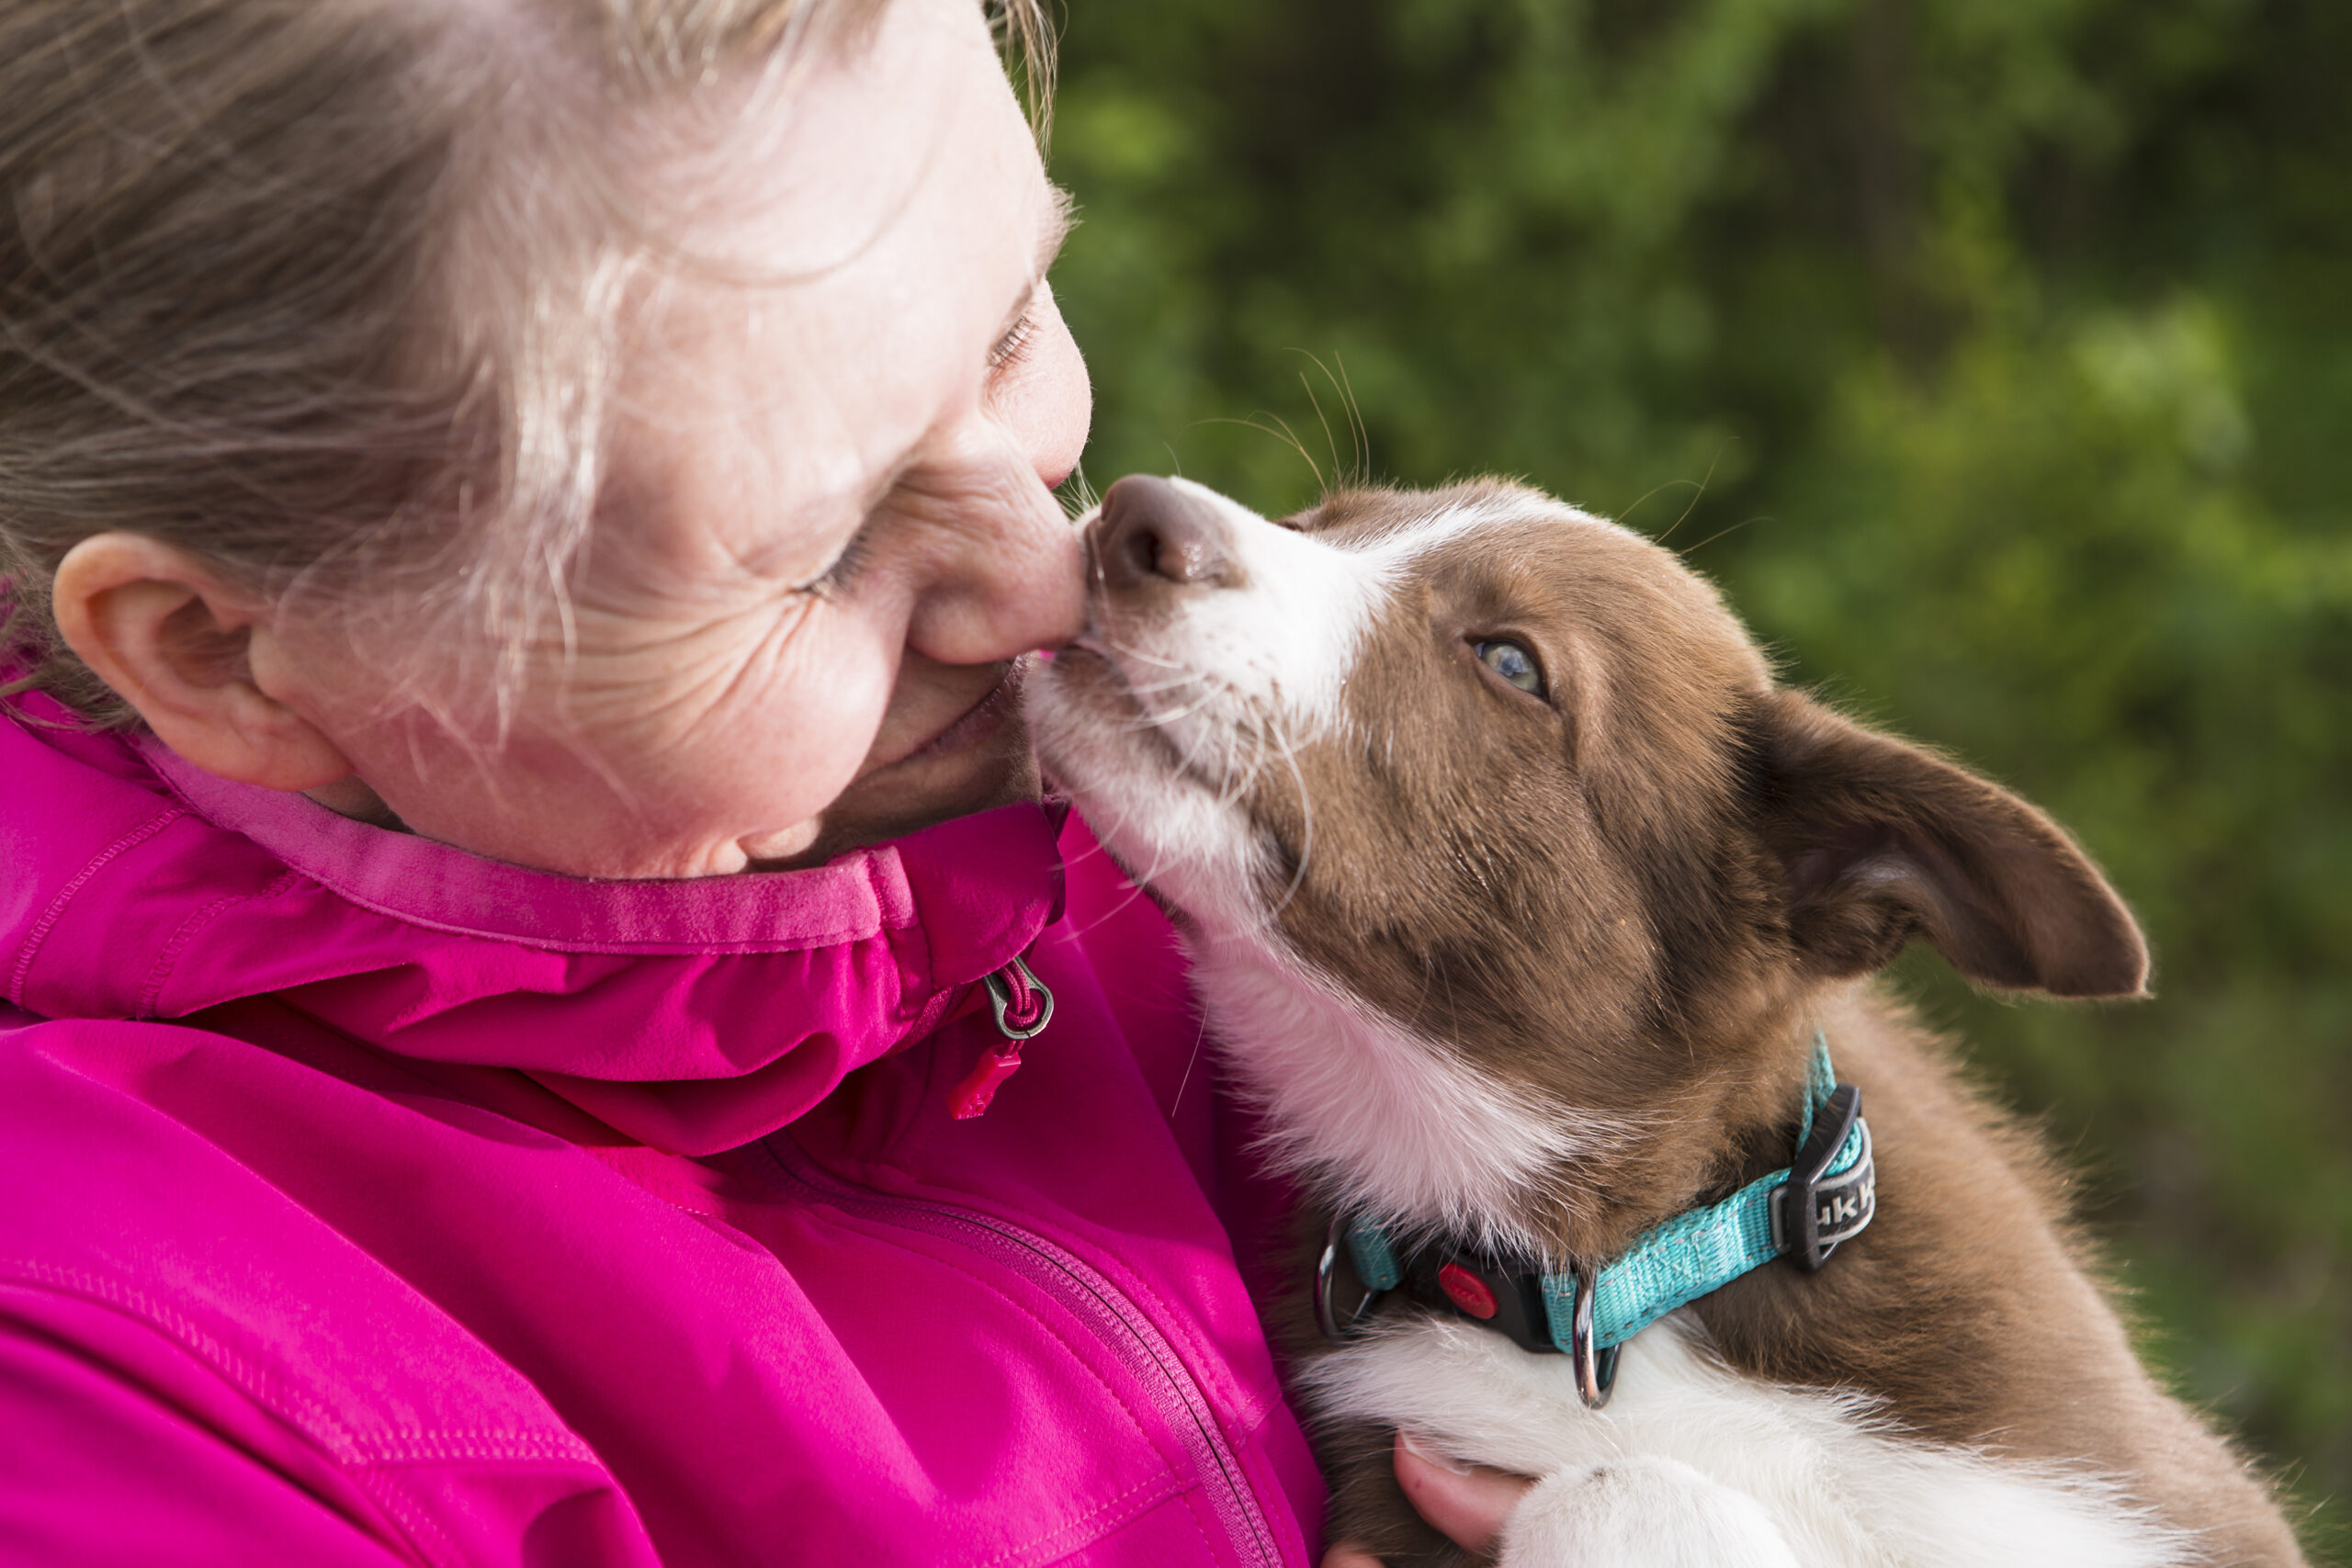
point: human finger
(1467, 1503)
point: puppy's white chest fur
(1693, 1464)
(1356, 1101)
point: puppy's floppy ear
(1880, 841)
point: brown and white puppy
(1516, 891)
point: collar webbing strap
(1827, 1195)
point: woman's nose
(1047, 402)
(1012, 575)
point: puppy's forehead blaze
(1494, 558)
(1397, 523)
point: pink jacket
(363, 1202)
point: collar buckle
(1813, 1210)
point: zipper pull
(1023, 1007)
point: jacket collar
(693, 1014)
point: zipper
(1023, 1007)
(1118, 1323)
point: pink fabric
(365, 1202)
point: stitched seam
(800, 943)
(196, 924)
(409, 1513)
(1170, 1472)
(1171, 1487)
(1069, 1346)
(398, 1510)
(1173, 1326)
(405, 1446)
(1198, 1504)
(56, 909)
(301, 862)
(1195, 1357)
(274, 1392)
(683, 1196)
(265, 1388)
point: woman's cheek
(803, 739)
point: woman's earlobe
(179, 643)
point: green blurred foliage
(1995, 355)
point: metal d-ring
(1596, 1370)
(1327, 1312)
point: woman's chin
(922, 791)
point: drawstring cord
(1023, 1007)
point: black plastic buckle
(1488, 1292)
(1469, 1284)
(1813, 1211)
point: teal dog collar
(1827, 1195)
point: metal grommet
(1000, 998)
(1596, 1370)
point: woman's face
(828, 539)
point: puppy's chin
(1175, 832)
(1092, 734)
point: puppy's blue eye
(1513, 663)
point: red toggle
(1468, 1291)
(978, 1087)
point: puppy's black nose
(1153, 535)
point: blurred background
(1995, 354)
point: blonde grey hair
(326, 292)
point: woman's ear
(177, 641)
(1880, 841)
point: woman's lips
(976, 722)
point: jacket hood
(691, 1015)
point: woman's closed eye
(1013, 347)
(843, 570)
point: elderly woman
(524, 890)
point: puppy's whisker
(1184, 681)
(1126, 654)
(1305, 830)
(1165, 717)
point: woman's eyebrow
(1061, 217)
